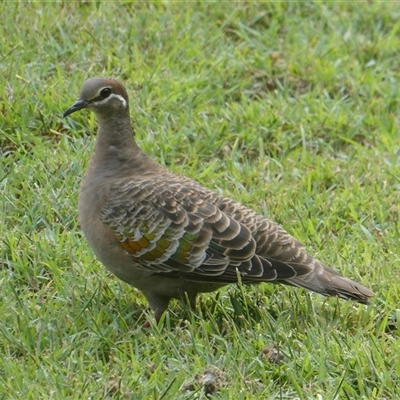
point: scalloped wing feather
(170, 228)
(177, 228)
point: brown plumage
(171, 237)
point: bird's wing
(174, 229)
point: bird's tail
(322, 279)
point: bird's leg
(192, 300)
(158, 304)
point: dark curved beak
(78, 105)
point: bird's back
(250, 247)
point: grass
(291, 108)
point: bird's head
(104, 96)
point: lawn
(291, 108)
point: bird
(169, 236)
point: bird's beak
(78, 105)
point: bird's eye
(105, 92)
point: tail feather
(322, 279)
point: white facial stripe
(118, 96)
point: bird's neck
(116, 151)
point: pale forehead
(93, 86)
